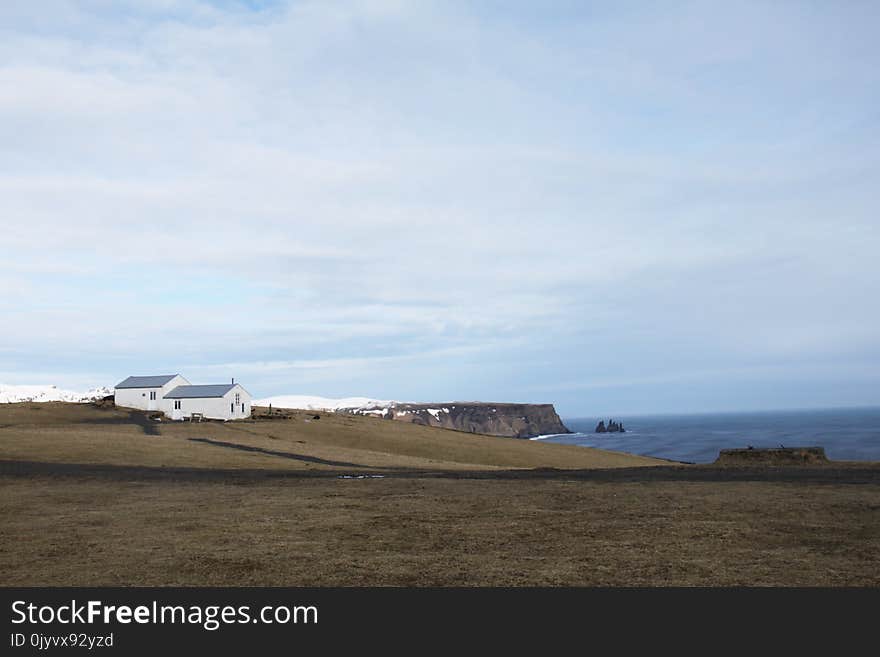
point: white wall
(140, 397)
(215, 408)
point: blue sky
(614, 207)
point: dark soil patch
(844, 474)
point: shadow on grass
(148, 426)
(285, 455)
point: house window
(232, 408)
(152, 395)
(177, 404)
(242, 408)
(238, 398)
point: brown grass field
(95, 497)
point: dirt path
(829, 474)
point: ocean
(851, 434)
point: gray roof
(146, 381)
(190, 392)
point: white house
(177, 399)
(226, 401)
(146, 392)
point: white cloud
(429, 176)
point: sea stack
(613, 427)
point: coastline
(847, 434)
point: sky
(613, 207)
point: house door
(151, 403)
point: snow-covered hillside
(10, 394)
(310, 403)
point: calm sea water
(846, 434)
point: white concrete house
(226, 401)
(178, 400)
(146, 392)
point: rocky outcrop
(772, 456)
(501, 419)
(613, 427)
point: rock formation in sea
(612, 427)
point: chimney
(233, 380)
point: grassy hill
(101, 496)
(85, 433)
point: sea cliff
(496, 419)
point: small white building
(226, 401)
(178, 399)
(146, 392)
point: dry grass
(437, 532)
(78, 433)
(89, 528)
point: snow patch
(10, 394)
(311, 403)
